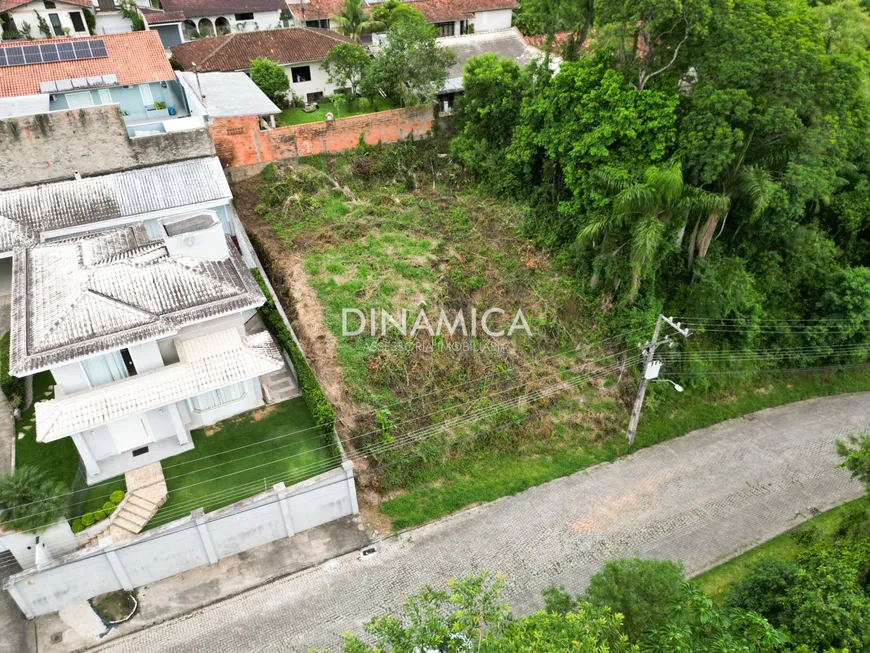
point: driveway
(701, 499)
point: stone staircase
(146, 492)
(279, 386)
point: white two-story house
(144, 337)
(22, 18)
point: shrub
(77, 526)
(99, 515)
(91, 21)
(117, 496)
(363, 104)
(109, 507)
(315, 399)
(764, 589)
(159, 105)
(271, 79)
(11, 386)
(30, 501)
(88, 519)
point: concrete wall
(488, 21)
(58, 540)
(186, 543)
(54, 146)
(112, 22)
(27, 14)
(240, 142)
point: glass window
(147, 96)
(105, 369)
(54, 19)
(105, 96)
(301, 74)
(219, 397)
(446, 29)
(78, 23)
(49, 4)
(248, 15)
(79, 100)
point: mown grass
(296, 116)
(280, 443)
(715, 581)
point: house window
(128, 362)
(300, 74)
(323, 24)
(218, 397)
(78, 23)
(446, 29)
(248, 15)
(79, 100)
(314, 97)
(106, 368)
(54, 19)
(147, 96)
(105, 96)
(49, 4)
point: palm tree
(661, 200)
(29, 501)
(353, 21)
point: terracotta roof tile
(158, 17)
(7, 5)
(485, 5)
(316, 9)
(197, 8)
(235, 51)
(439, 11)
(135, 57)
(539, 40)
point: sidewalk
(184, 593)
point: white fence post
(199, 517)
(284, 503)
(119, 570)
(347, 465)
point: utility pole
(649, 354)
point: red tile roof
(316, 9)
(135, 57)
(158, 17)
(235, 51)
(7, 5)
(439, 11)
(200, 8)
(539, 40)
(485, 5)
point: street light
(677, 386)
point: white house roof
(227, 95)
(205, 363)
(506, 43)
(24, 105)
(129, 194)
(77, 298)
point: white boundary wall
(187, 543)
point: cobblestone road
(701, 499)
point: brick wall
(240, 142)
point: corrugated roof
(77, 298)
(205, 363)
(228, 95)
(128, 194)
(235, 51)
(134, 57)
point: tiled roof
(205, 363)
(506, 43)
(540, 40)
(7, 5)
(439, 11)
(77, 298)
(64, 204)
(134, 57)
(485, 5)
(199, 8)
(316, 9)
(160, 17)
(235, 51)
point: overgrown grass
(281, 443)
(783, 547)
(296, 116)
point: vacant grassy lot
(243, 456)
(397, 227)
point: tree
(411, 68)
(392, 11)
(639, 590)
(855, 453)
(29, 501)
(353, 21)
(271, 79)
(346, 64)
(764, 589)
(130, 11)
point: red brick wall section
(240, 142)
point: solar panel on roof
(49, 52)
(18, 55)
(2, 58)
(82, 49)
(15, 56)
(32, 54)
(98, 49)
(65, 51)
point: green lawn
(296, 116)
(487, 475)
(217, 473)
(715, 581)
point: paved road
(701, 499)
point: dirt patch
(211, 430)
(262, 413)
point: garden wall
(186, 543)
(241, 142)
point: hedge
(11, 386)
(309, 386)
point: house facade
(130, 70)
(22, 18)
(144, 337)
(300, 50)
